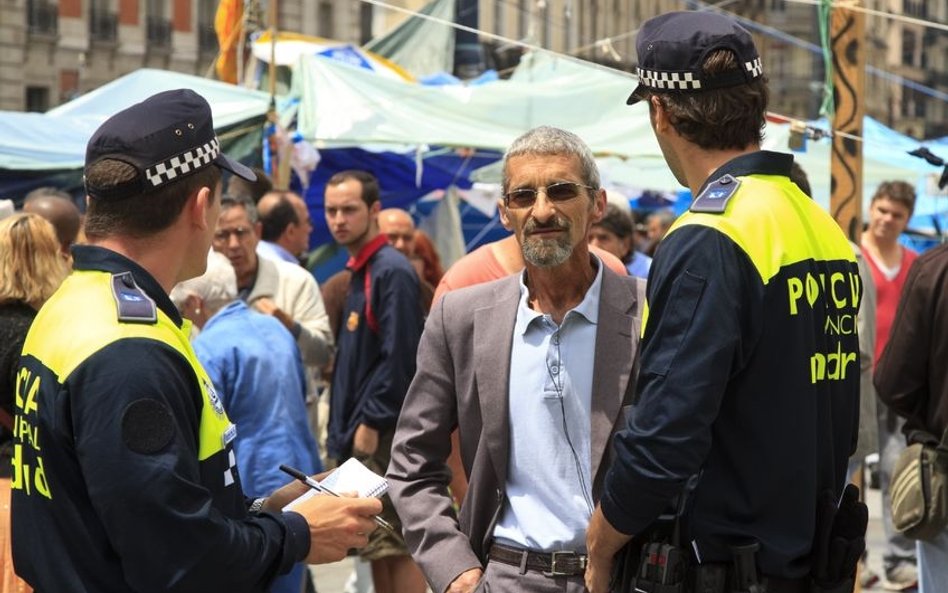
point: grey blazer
(462, 381)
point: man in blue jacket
(256, 368)
(375, 362)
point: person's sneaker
(867, 577)
(901, 577)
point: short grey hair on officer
(217, 287)
(550, 141)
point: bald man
(399, 226)
(57, 207)
(286, 226)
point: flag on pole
(228, 24)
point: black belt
(551, 564)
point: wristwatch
(257, 505)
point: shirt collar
(279, 251)
(761, 162)
(94, 258)
(368, 250)
(588, 308)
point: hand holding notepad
(351, 476)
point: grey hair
(665, 216)
(216, 287)
(550, 141)
(245, 202)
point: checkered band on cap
(681, 81)
(755, 67)
(182, 164)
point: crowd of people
(598, 402)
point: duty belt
(551, 564)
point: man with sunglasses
(749, 378)
(534, 371)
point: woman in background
(31, 269)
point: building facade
(52, 50)
(786, 33)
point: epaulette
(132, 303)
(714, 198)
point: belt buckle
(554, 560)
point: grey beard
(546, 253)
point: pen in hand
(297, 474)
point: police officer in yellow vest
(124, 473)
(749, 381)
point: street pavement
(331, 578)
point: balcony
(207, 38)
(43, 19)
(159, 32)
(103, 26)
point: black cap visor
(640, 92)
(225, 162)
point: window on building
(207, 37)
(500, 22)
(546, 26)
(594, 23)
(68, 85)
(42, 17)
(523, 19)
(916, 8)
(324, 24)
(157, 23)
(103, 21)
(909, 42)
(156, 7)
(568, 27)
(37, 98)
(365, 23)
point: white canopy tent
(343, 106)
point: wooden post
(848, 40)
(280, 174)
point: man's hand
(466, 582)
(268, 307)
(602, 543)
(337, 524)
(366, 440)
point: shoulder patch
(714, 198)
(131, 302)
(147, 426)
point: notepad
(353, 476)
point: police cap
(165, 137)
(673, 47)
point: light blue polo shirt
(549, 487)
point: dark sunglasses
(556, 192)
